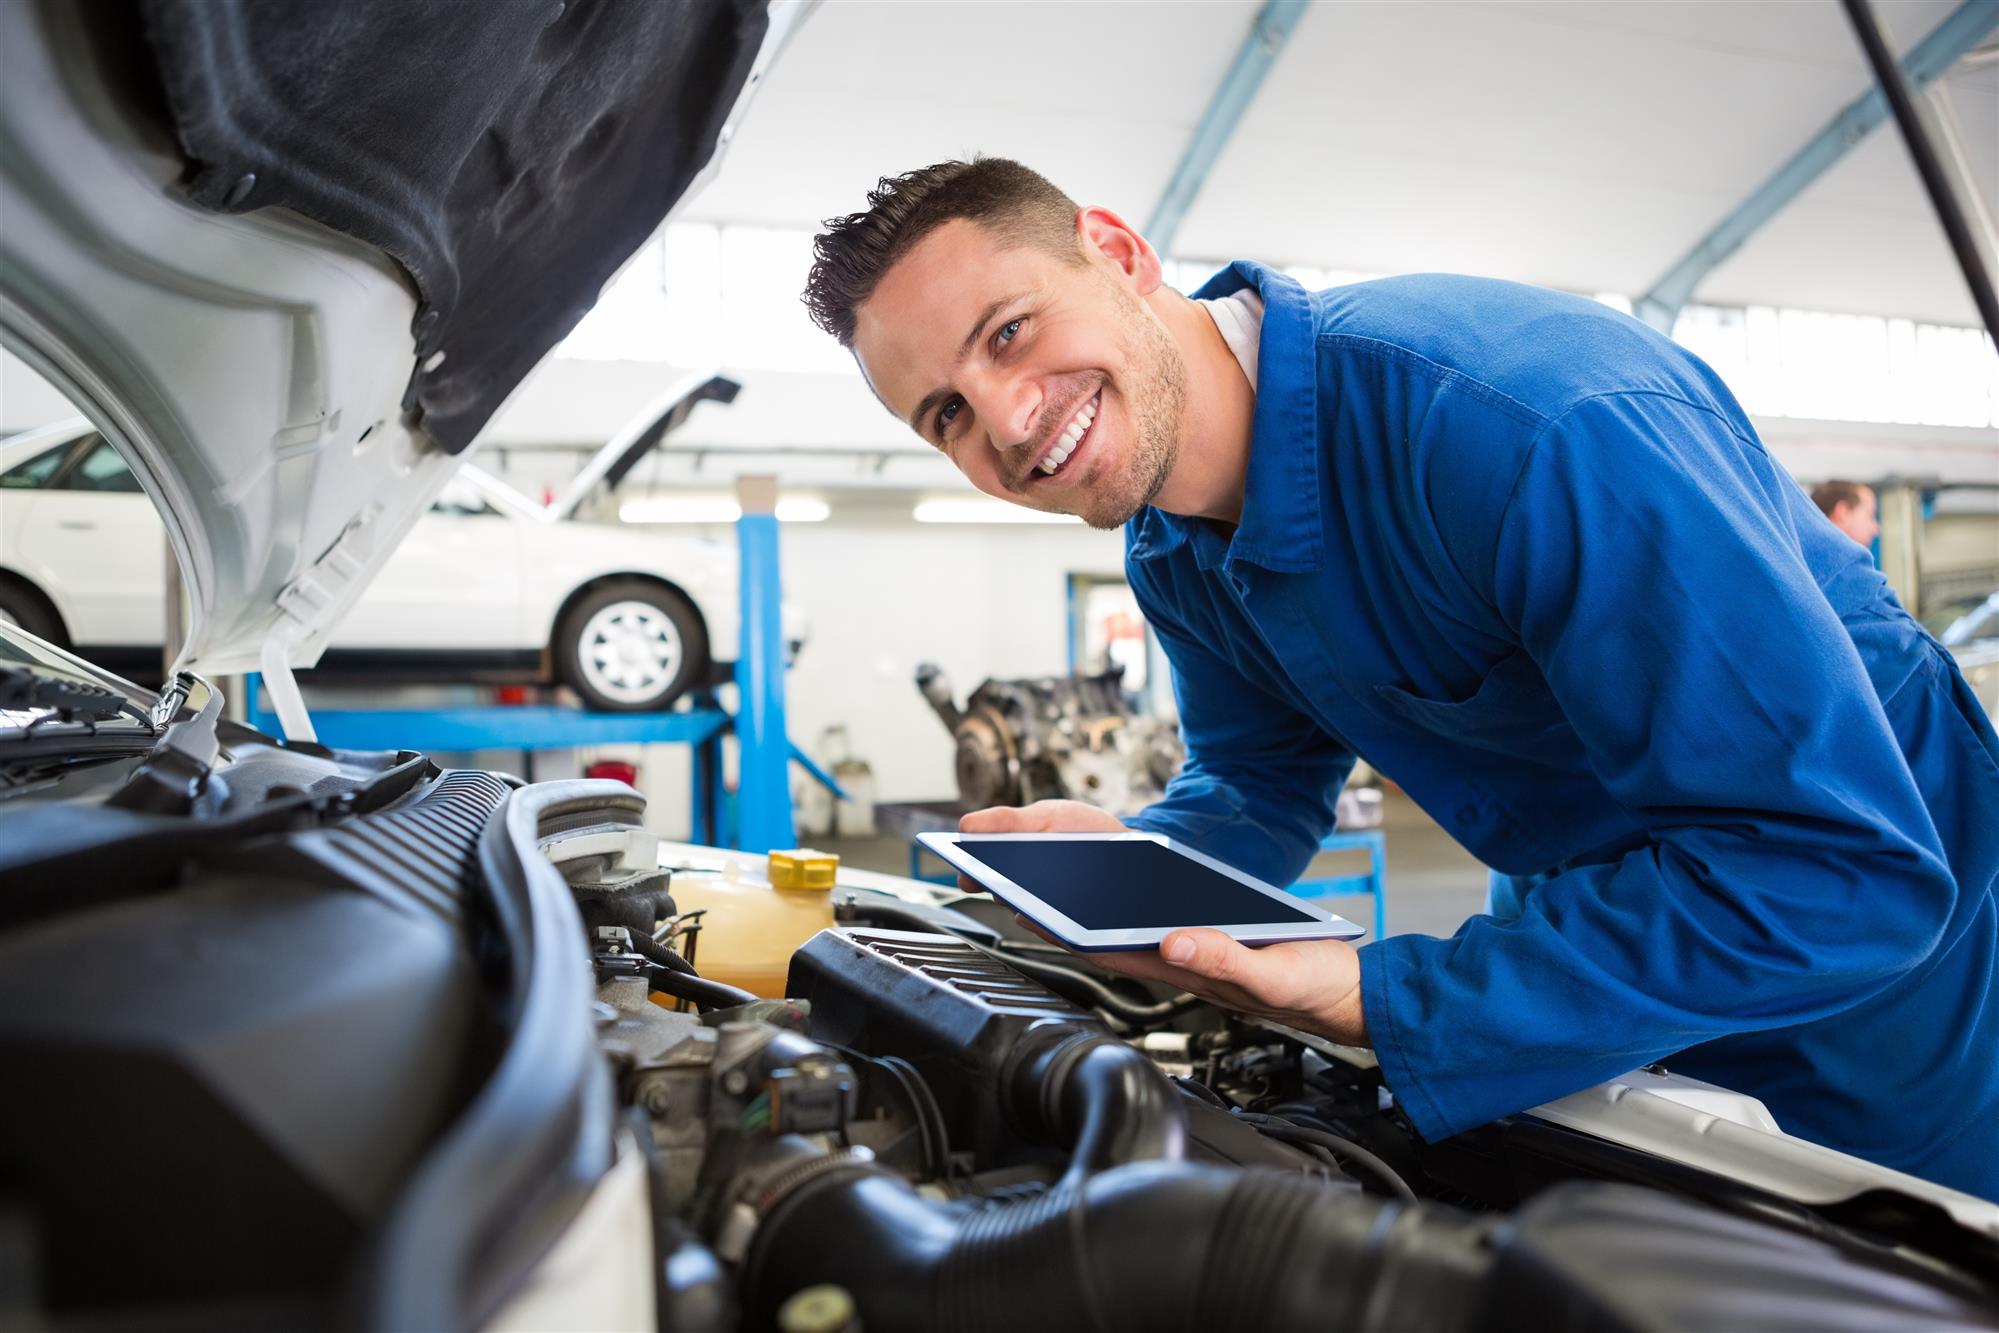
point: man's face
(1858, 518)
(1013, 360)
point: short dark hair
(851, 255)
(1830, 495)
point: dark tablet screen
(1135, 885)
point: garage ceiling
(1583, 146)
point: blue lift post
(1967, 25)
(1269, 32)
(1373, 882)
(764, 749)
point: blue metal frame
(492, 727)
(764, 749)
(1273, 27)
(1374, 883)
(1967, 25)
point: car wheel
(631, 647)
(18, 607)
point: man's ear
(1107, 237)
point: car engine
(351, 1041)
(1078, 738)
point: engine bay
(381, 1047)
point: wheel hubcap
(631, 651)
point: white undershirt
(1239, 319)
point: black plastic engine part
(996, 1052)
(1629, 1260)
(954, 1013)
(200, 1062)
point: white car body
(471, 587)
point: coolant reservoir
(752, 928)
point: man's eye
(1008, 333)
(947, 413)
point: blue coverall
(1529, 558)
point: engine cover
(950, 1010)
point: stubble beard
(1154, 398)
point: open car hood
(290, 257)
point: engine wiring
(1346, 1151)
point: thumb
(993, 819)
(1205, 953)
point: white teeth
(1070, 439)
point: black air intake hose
(1130, 1237)
(1105, 1099)
(1154, 1246)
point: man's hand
(1311, 985)
(1041, 817)
(1306, 984)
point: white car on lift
(488, 584)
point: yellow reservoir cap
(803, 868)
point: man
(1851, 508)
(1528, 558)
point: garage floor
(1433, 884)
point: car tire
(19, 606)
(630, 646)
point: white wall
(978, 601)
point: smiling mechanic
(1529, 558)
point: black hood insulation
(510, 154)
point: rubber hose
(704, 993)
(1152, 1245)
(1105, 1099)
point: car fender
(570, 558)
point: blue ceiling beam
(1967, 25)
(1267, 36)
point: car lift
(762, 813)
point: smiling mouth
(1066, 444)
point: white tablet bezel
(954, 848)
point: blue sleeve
(1790, 869)
(1261, 782)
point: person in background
(1851, 508)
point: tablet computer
(1098, 892)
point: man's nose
(1010, 411)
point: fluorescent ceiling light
(716, 509)
(983, 511)
(802, 510)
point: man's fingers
(966, 884)
(1025, 924)
(1041, 817)
(994, 819)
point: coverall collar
(1280, 528)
